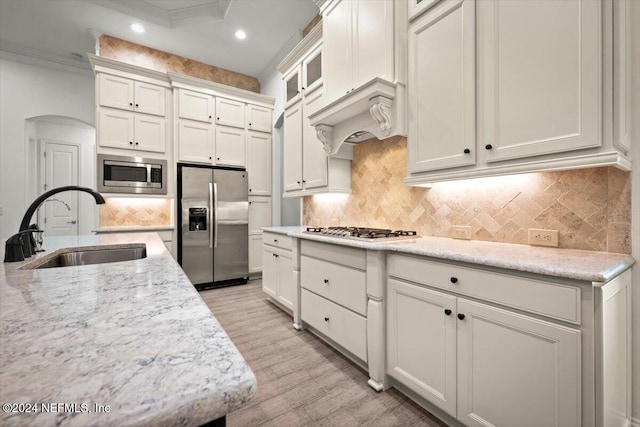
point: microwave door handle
(210, 215)
(148, 173)
(215, 211)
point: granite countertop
(129, 228)
(582, 265)
(133, 335)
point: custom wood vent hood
(369, 111)
(364, 46)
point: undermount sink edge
(89, 255)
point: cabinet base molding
(546, 165)
(376, 385)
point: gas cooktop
(364, 233)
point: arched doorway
(61, 151)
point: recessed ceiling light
(241, 35)
(137, 28)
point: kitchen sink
(95, 256)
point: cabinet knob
(460, 316)
(454, 280)
(249, 124)
(298, 182)
(209, 116)
(131, 142)
(488, 147)
(326, 281)
(249, 202)
(137, 105)
(217, 158)
(303, 88)
(137, 143)
(303, 181)
(217, 118)
(467, 151)
(447, 312)
(274, 255)
(249, 190)
(326, 319)
(131, 104)
(209, 157)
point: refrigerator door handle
(215, 210)
(210, 215)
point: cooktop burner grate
(365, 233)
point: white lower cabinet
(481, 364)
(277, 269)
(255, 253)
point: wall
(31, 88)
(131, 53)
(591, 208)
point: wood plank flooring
(301, 380)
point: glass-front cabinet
(312, 70)
(292, 87)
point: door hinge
(44, 154)
(45, 186)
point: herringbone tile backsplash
(591, 208)
(129, 211)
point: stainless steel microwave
(135, 175)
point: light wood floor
(301, 380)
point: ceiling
(198, 29)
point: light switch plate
(542, 237)
(461, 232)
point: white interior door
(60, 169)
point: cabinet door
(115, 128)
(258, 118)
(622, 57)
(259, 214)
(292, 87)
(255, 253)
(312, 71)
(441, 90)
(230, 146)
(421, 342)
(292, 148)
(259, 163)
(516, 370)
(373, 41)
(287, 291)
(195, 106)
(337, 50)
(115, 92)
(270, 271)
(541, 77)
(150, 99)
(230, 113)
(195, 141)
(314, 158)
(149, 132)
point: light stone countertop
(564, 263)
(133, 335)
(130, 228)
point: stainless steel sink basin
(95, 256)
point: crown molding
(298, 52)
(219, 89)
(29, 55)
(272, 66)
(102, 64)
(212, 11)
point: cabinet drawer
(548, 299)
(339, 324)
(343, 285)
(279, 240)
(351, 257)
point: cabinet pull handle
(454, 280)
(326, 319)
(460, 316)
(467, 151)
(326, 281)
(488, 147)
(447, 312)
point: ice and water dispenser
(198, 219)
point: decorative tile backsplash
(591, 208)
(127, 211)
(131, 53)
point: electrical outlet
(541, 237)
(461, 232)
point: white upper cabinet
(130, 131)
(541, 77)
(195, 106)
(314, 158)
(259, 163)
(230, 112)
(622, 46)
(149, 132)
(442, 125)
(292, 148)
(292, 87)
(195, 142)
(230, 146)
(259, 118)
(417, 7)
(132, 95)
(358, 39)
(312, 70)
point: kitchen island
(127, 343)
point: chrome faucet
(18, 247)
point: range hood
(370, 111)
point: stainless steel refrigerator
(213, 245)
